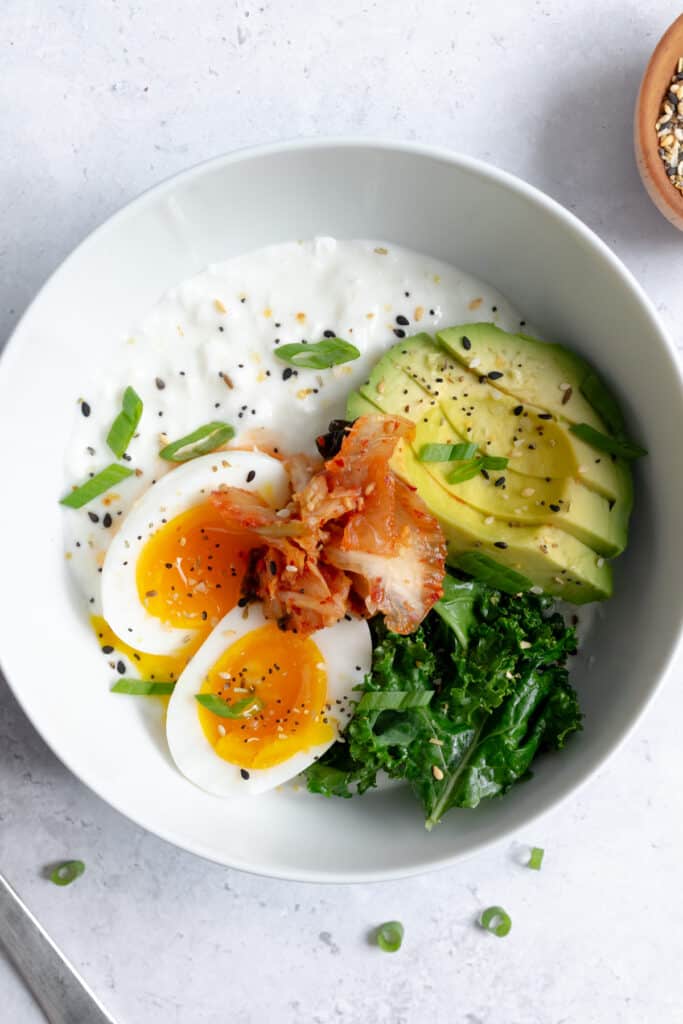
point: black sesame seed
(545, 416)
(221, 328)
(494, 309)
(85, 408)
(242, 603)
(107, 649)
(287, 373)
(518, 410)
(120, 667)
(522, 323)
(494, 375)
(402, 320)
(399, 332)
(273, 568)
(329, 334)
(250, 475)
(554, 508)
(160, 384)
(243, 771)
(500, 544)
(500, 482)
(93, 517)
(466, 343)
(107, 520)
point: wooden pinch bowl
(653, 87)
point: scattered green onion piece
(143, 687)
(496, 921)
(394, 700)
(240, 709)
(390, 936)
(97, 485)
(200, 442)
(321, 355)
(465, 471)
(494, 462)
(67, 872)
(125, 424)
(446, 452)
(595, 392)
(536, 858)
(603, 443)
(498, 576)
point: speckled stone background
(100, 100)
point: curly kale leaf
(496, 664)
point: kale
(497, 666)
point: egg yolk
(285, 676)
(190, 572)
(159, 667)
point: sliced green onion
(321, 355)
(496, 921)
(67, 872)
(595, 392)
(240, 709)
(394, 700)
(125, 424)
(143, 687)
(615, 446)
(97, 485)
(465, 471)
(446, 452)
(200, 442)
(536, 858)
(494, 462)
(498, 576)
(390, 936)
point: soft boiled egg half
(280, 701)
(173, 570)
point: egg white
(346, 649)
(181, 489)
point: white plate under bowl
(554, 269)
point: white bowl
(554, 269)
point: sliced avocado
(554, 560)
(534, 372)
(356, 406)
(528, 500)
(435, 378)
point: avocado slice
(435, 378)
(554, 560)
(357, 406)
(534, 372)
(522, 500)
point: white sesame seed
(536, 589)
(437, 773)
(600, 562)
(528, 491)
(221, 729)
(475, 362)
(564, 386)
(524, 644)
(489, 520)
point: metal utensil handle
(63, 995)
